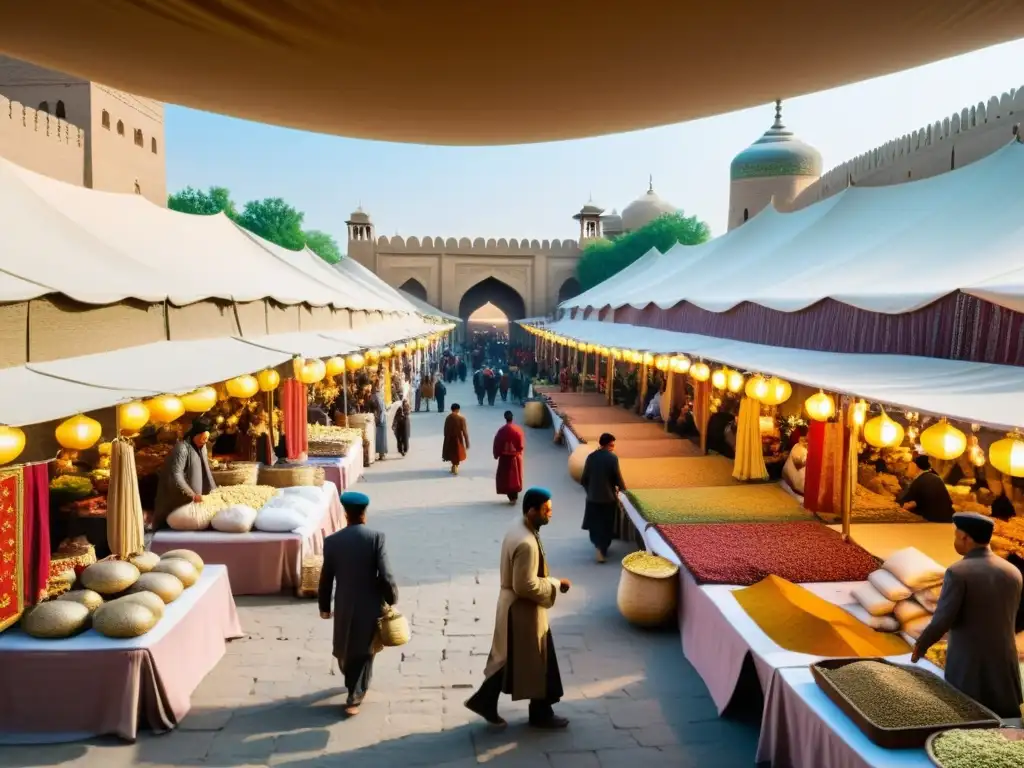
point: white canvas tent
(982, 393)
(891, 250)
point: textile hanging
(815, 457)
(293, 408)
(830, 492)
(36, 524)
(749, 462)
(125, 526)
(12, 543)
(387, 385)
(702, 411)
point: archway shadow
(496, 292)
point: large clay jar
(578, 458)
(535, 414)
(648, 590)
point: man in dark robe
(402, 427)
(978, 608)
(509, 444)
(356, 569)
(602, 480)
(478, 386)
(456, 438)
(523, 662)
(927, 494)
(491, 386)
(185, 477)
(503, 385)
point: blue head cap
(535, 497)
(354, 500)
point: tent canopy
(466, 72)
(979, 393)
(889, 250)
(428, 310)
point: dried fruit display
(254, 496)
(685, 472)
(740, 504)
(871, 507)
(654, 448)
(646, 564)
(745, 553)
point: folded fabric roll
(879, 623)
(873, 601)
(908, 610)
(889, 585)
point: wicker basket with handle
(237, 473)
(290, 475)
(392, 629)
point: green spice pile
(983, 748)
(896, 697)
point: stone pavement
(275, 699)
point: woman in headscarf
(185, 476)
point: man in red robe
(509, 444)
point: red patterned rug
(12, 597)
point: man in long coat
(602, 479)
(357, 571)
(185, 476)
(380, 422)
(522, 662)
(509, 444)
(456, 438)
(978, 608)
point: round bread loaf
(55, 619)
(179, 567)
(88, 598)
(166, 586)
(145, 561)
(149, 599)
(123, 619)
(185, 554)
(109, 577)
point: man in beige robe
(522, 661)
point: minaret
(589, 218)
(362, 241)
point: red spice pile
(745, 553)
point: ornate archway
(570, 289)
(493, 291)
(414, 287)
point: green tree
(605, 258)
(323, 245)
(275, 220)
(196, 201)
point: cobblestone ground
(274, 700)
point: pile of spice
(654, 449)
(798, 620)
(977, 748)
(606, 415)
(937, 654)
(899, 697)
(702, 471)
(722, 504)
(645, 564)
(591, 433)
(745, 553)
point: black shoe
(552, 723)
(493, 718)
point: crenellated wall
(949, 143)
(41, 142)
(463, 246)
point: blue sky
(533, 190)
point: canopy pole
(583, 372)
(850, 466)
(666, 401)
(642, 389)
(344, 394)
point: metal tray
(1012, 734)
(891, 738)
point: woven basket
(647, 600)
(240, 473)
(72, 560)
(392, 629)
(289, 476)
(309, 577)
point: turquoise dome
(777, 153)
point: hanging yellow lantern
(719, 378)
(700, 372)
(734, 382)
(163, 409)
(756, 388)
(883, 432)
(779, 391)
(132, 416)
(268, 379)
(242, 387)
(860, 413)
(372, 356)
(335, 366)
(661, 363)
(421, 343)
(12, 443)
(616, 353)
(943, 441)
(648, 359)
(200, 401)
(79, 433)
(312, 371)
(354, 362)
(680, 364)
(820, 407)
(1006, 455)
(384, 353)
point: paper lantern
(1006, 455)
(312, 371)
(883, 432)
(700, 372)
(200, 401)
(164, 409)
(371, 357)
(779, 391)
(132, 416)
(943, 441)
(268, 380)
(719, 378)
(354, 362)
(12, 443)
(648, 358)
(616, 353)
(79, 433)
(860, 413)
(661, 363)
(335, 366)
(242, 387)
(820, 407)
(680, 364)
(756, 388)
(422, 343)
(734, 382)
(385, 352)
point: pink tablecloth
(90, 685)
(259, 563)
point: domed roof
(645, 209)
(590, 209)
(611, 223)
(358, 216)
(777, 153)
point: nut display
(897, 697)
(254, 496)
(977, 748)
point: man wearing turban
(185, 477)
(522, 661)
(978, 608)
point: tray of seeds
(897, 706)
(977, 748)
